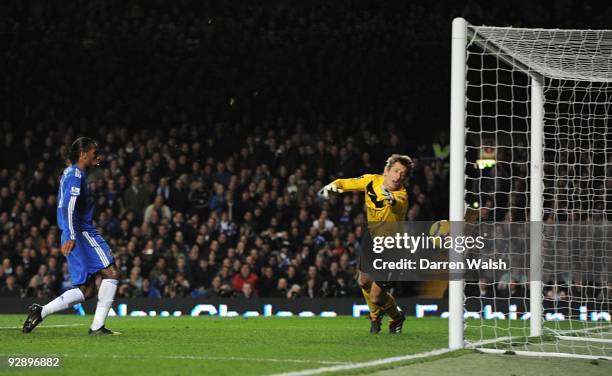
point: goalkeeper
(386, 199)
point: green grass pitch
(253, 346)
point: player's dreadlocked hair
(81, 144)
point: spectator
(294, 292)
(203, 274)
(310, 290)
(281, 290)
(177, 199)
(158, 206)
(135, 198)
(11, 289)
(217, 201)
(215, 288)
(267, 282)
(247, 291)
(32, 290)
(245, 276)
(149, 291)
(178, 288)
(323, 224)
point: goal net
(536, 165)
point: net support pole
(457, 173)
(536, 205)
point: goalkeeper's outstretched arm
(346, 185)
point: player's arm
(346, 185)
(354, 184)
(71, 191)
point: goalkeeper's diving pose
(386, 199)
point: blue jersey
(75, 209)
(75, 205)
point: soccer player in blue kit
(86, 251)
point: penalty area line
(371, 363)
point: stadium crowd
(192, 212)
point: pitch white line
(476, 345)
(546, 354)
(585, 339)
(272, 360)
(602, 328)
(371, 363)
(44, 326)
(196, 357)
(473, 345)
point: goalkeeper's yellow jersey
(377, 208)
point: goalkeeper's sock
(106, 295)
(390, 307)
(62, 302)
(375, 311)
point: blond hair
(402, 159)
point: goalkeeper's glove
(331, 187)
(388, 196)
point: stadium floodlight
(535, 105)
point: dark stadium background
(234, 114)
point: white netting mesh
(575, 68)
(580, 55)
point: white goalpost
(531, 171)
